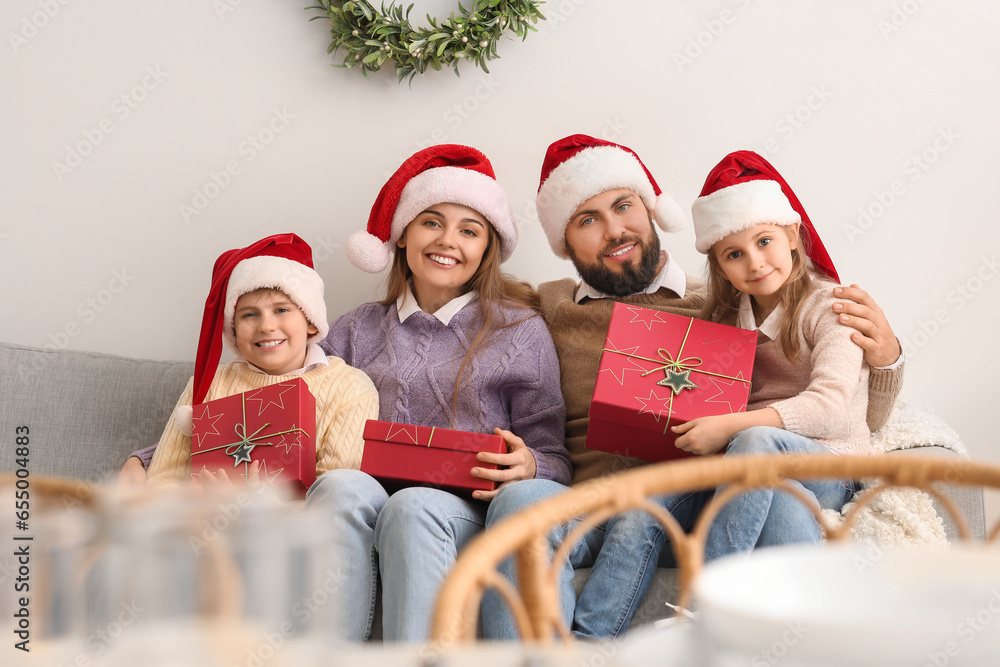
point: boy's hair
(496, 290)
(723, 301)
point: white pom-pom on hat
(184, 419)
(368, 252)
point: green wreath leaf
(367, 37)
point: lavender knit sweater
(514, 378)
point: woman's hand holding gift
(518, 462)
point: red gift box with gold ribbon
(660, 370)
(408, 455)
(275, 425)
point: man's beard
(633, 278)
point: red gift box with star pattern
(659, 370)
(275, 425)
(407, 455)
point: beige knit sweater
(345, 399)
(579, 331)
(823, 394)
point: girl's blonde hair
(723, 302)
(496, 290)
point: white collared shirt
(770, 327)
(407, 304)
(315, 357)
(670, 276)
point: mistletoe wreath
(368, 37)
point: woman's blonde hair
(496, 290)
(723, 301)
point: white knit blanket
(903, 517)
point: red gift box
(408, 455)
(660, 370)
(275, 425)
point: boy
(266, 304)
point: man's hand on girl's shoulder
(873, 333)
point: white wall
(844, 98)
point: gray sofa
(87, 411)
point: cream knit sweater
(345, 399)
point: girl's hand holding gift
(709, 435)
(704, 435)
(519, 462)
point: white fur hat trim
(739, 207)
(590, 172)
(302, 285)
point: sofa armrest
(968, 499)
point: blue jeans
(600, 548)
(410, 539)
(498, 623)
(767, 517)
(625, 552)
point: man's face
(612, 243)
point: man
(597, 204)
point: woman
(453, 344)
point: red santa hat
(282, 262)
(744, 190)
(578, 167)
(447, 173)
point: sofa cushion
(85, 411)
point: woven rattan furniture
(535, 602)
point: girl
(810, 383)
(453, 344)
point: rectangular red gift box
(408, 455)
(660, 370)
(275, 425)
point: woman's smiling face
(444, 246)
